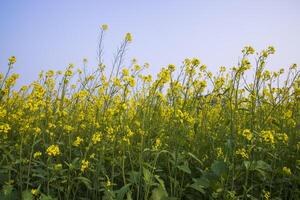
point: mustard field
(116, 132)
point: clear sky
(50, 34)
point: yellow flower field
(121, 134)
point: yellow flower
(268, 136)
(157, 143)
(96, 138)
(84, 165)
(116, 82)
(4, 128)
(108, 183)
(283, 137)
(92, 156)
(104, 27)
(53, 150)
(68, 128)
(248, 50)
(137, 67)
(125, 72)
(128, 37)
(78, 141)
(220, 153)
(247, 134)
(131, 82)
(35, 192)
(37, 154)
(288, 114)
(242, 152)
(12, 60)
(286, 171)
(267, 195)
(171, 67)
(37, 130)
(195, 62)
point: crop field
(115, 132)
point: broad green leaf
(185, 168)
(147, 176)
(26, 195)
(195, 157)
(159, 194)
(160, 181)
(123, 191)
(219, 167)
(85, 181)
(198, 187)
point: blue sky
(50, 34)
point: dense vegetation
(188, 134)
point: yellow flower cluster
(157, 144)
(268, 136)
(96, 137)
(37, 154)
(78, 141)
(247, 134)
(242, 152)
(104, 27)
(53, 150)
(4, 128)
(267, 195)
(68, 128)
(84, 165)
(35, 192)
(283, 137)
(12, 60)
(286, 171)
(128, 37)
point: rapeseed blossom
(12, 60)
(128, 37)
(247, 134)
(286, 171)
(267, 195)
(84, 165)
(268, 136)
(35, 192)
(242, 152)
(53, 150)
(37, 154)
(96, 137)
(104, 27)
(78, 141)
(4, 128)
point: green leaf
(134, 177)
(263, 165)
(123, 191)
(129, 195)
(7, 189)
(26, 195)
(160, 181)
(46, 197)
(147, 176)
(247, 164)
(219, 167)
(85, 181)
(193, 156)
(185, 168)
(198, 187)
(159, 194)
